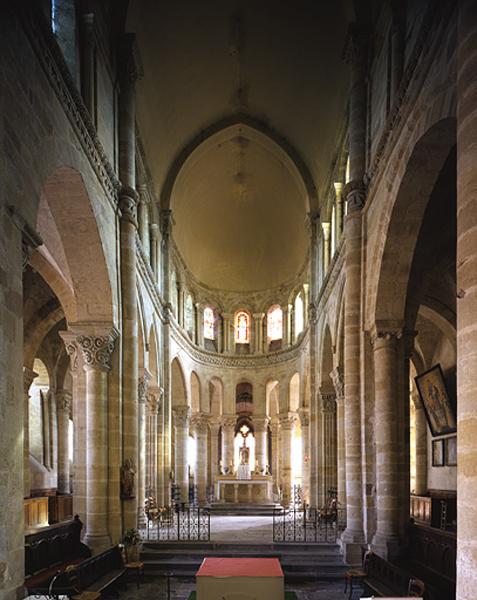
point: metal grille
(306, 524)
(182, 523)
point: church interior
(238, 280)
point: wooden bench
(101, 574)
(384, 578)
(50, 551)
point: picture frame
(450, 451)
(438, 453)
(435, 400)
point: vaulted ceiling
(280, 63)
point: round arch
(178, 385)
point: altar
(256, 490)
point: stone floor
(241, 529)
(180, 590)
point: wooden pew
(384, 578)
(52, 550)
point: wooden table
(240, 579)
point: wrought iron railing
(308, 524)
(179, 523)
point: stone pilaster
(228, 430)
(328, 441)
(181, 467)
(326, 229)
(227, 332)
(257, 332)
(287, 426)
(338, 382)
(63, 411)
(199, 323)
(305, 452)
(142, 472)
(154, 241)
(339, 211)
(275, 428)
(96, 350)
(466, 300)
(200, 428)
(386, 403)
(28, 377)
(152, 409)
(260, 424)
(214, 427)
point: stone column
(274, 426)
(467, 300)
(305, 451)
(339, 211)
(142, 473)
(286, 327)
(130, 71)
(200, 427)
(28, 377)
(63, 411)
(386, 403)
(181, 467)
(96, 350)
(181, 305)
(338, 382)
(420, 424)
(326, 228)
(155, 394)
(143, 220)
(214, 427)
(87, 66)
(257, 332)
(260, 424)
(152, 408)
(199, 323)
(227, 332)
(228, 430)
(353, 536)
(328, 440)
(287, 425)
(154, 240)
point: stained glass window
(242, 328)
(275, 323)
(299, 316)
(209, 322)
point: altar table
(240, 579)
(257, 490)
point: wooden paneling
(36, 512)
(421, 509)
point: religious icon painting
(437, 453)
(451, 451)
(435, 399)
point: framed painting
(437, 406)
(451, 451)
(437, 453)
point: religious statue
(128, 475)
(244, 454)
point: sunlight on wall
(191, 453)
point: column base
(97, 543)
(386, 546)
(351, 544)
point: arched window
(299, 316)
(189, 320)
(242, 328)
(275, 323)
(209, 323)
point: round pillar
(260, 424)
(200, 427)
(63, 411)
(28, 377)
(181, 466)
(287, 425)
(228, 431)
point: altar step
(299, 561)
(242, 509)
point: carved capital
(128, 198)
(63, 401)
(355, 193)
(338, 382)
(153, 404)
(28, 377)
(142, 386)
(229, 421)
(287, 421)
(385, 333)
(97, 350)
(214, 424)
(260, 423)
(304, 415)
(312, 313)
(199, 423)
(328, 402)
(313, 219)
(181, 416)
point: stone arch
(178, 385)
(66, 222)
(271, 397)
(326, 361)
(195, 393)
(260, 131)
(216, 391)
(404, 220)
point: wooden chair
(416, 588)
(353, 575)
